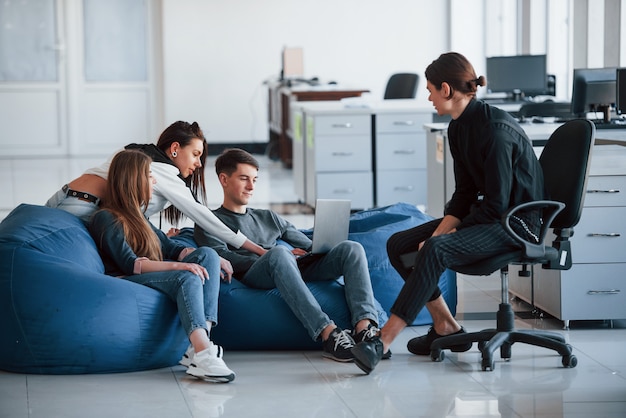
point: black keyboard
(609, 125)
(496, 102)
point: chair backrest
(565, 161)
(402, 86)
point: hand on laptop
(298, 252)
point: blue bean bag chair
(60, 314)
(372, 228)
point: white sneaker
(209, 365)
(187, 358)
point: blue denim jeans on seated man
(278, 269)
(197, 303)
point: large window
(28, 44)
(115, 40)
(571, 33)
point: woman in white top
(178, 160)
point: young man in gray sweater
(279, 268)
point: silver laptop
(331, 224)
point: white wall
(218, 53)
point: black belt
(87, 197)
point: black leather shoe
(366, 335)
(367, 354)
(421, 345)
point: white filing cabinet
(338, 154)
(439, 169)
(400, 156)
(595, 287)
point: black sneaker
(366, 335)
(421, 345)
(368, 353)
(338, 345)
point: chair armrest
(531, 249)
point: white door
(32, 81)
(76, 76)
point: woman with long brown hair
(132, 249)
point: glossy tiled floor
(302, 384)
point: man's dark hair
(230, 157)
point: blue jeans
(197, 303)
(278, 269)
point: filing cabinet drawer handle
(403, 188)
(342, 154)
(342, 125)
(603, 191)
(404, 123)
(604, 292)
(609, 234)
(404, 151)
(343, 191)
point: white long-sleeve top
(172, 190)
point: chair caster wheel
(570, 361)
(488, 365)
(437, 355)
(481, 345)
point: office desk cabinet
(338, 155)
(439, 169)
(400, 155)
(595, 287)
(373, 155)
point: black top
(495, 166)
(117, 256)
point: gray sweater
(261, 226)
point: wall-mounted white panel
(30, 122)
(112, 118)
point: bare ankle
(447, 328)
(327, 331)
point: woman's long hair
(127, 197)
(183, 133)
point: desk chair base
(503, 337)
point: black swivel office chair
(402, 86)
(565, 163)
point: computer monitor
(620, 102)
(593, 90)
(525, 74)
